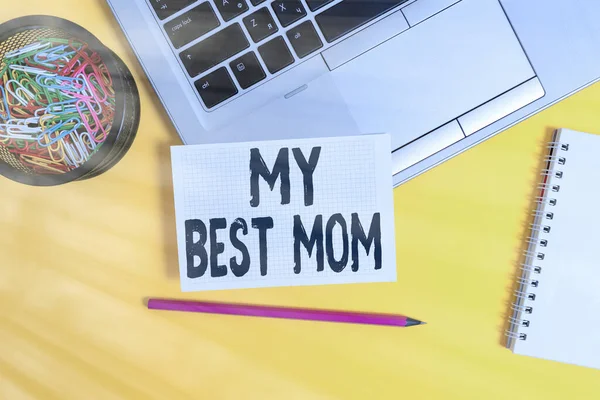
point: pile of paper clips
(57, 104)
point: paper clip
(19, 92)
(76, 158)
(52, 55)
(83, 106)
(98, 126)
(78, 142)
(14, 133)
(94, 90)
(60, 133)
(105, 75)
(20, 128)
(61, 83)
(62, 107)
(100, 89)
(43, 163)
(91, 102)
(88, 141)
(34, 47)
(31, 70)
(60, 150)
(5, 109)
(16, 92)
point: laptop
(439, 76)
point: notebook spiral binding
(531, 268)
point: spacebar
(349, 15)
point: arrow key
(214, 49)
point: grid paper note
(240, 225)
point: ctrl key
(216, 87)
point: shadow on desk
(167, 211)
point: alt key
(304, 39)
(216, 87)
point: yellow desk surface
(76, 262)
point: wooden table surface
(77, 262)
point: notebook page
(236, 232)
(565, 317)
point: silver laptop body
(438, 75)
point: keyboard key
(192, 24)
(256, 2)
(316, 4)
(288, 11)
(260, 24)
(166, 8)
(214, 49)
(216, 87)
(276, 54)
(230, 9)
(349, 15)
(247, 70)
(304, 39)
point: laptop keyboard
(242, 38)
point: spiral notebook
(556, 313)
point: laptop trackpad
(434, 72)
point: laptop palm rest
(434, 72)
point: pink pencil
(282, 312)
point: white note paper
(334, 225)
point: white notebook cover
(564, 318)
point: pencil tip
(413, 322)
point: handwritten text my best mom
(203, 248)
